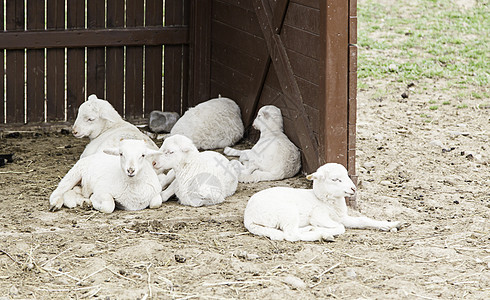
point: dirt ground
(429, 168)
(429, 174)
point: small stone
(392, 68)
(369, 164)
(456, 202)
(394, 229)
(405, 95)
(436, 143)
(351, 273)
(180, 258)
(13, 291)
(162, 121)
(385, 182)
(294, 282)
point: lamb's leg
(232, 152)
(156, 201)
(166, 179)
(103, 202)
(256, 176)
(71, 179)
(74, 197)
(368, 223)
(169, 191)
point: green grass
(425, 39)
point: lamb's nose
(74, 131)
(130, 171)
(353, 189)
(154, 163)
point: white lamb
(274, 156)
(120, 177)
(99, 121)
(201, 178)
(213, 124)
(283, 213)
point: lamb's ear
(266, 115)
(187, 148)
(92, 97)
(111, 151)
(314, 176)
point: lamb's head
(332, 181)
(94, 116)
(132, 155)
(269, 118)
(174, 150)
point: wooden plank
(308, 3)
(279, 14)
(55, 94)
(352, 30)
(15, 65)
(229, 77)
(115, 58)
(352, 58)
(234, 58)
(305, 67)
(186, 61)
(153, 61)
(2, 69)
(352, 98)
(236, 17)
(301, 41)
(310, 92)
(245, 42)
(200, 51)
(96, 56)
(334, 61)
(35, 65)
(173, 57)
(289, 86)
(134, 63)
(303, 17)
(239, 3)
(76, 38)
(352, 8)
(75, 62)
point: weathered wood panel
(153, 61)
(15, 65)
(96, 56)
(35, 61)
(134, 63)
(115, 58)
(334, 43)
(75, 61)
(2, 70)
(55, 96)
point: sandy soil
(428, 173)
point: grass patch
(426, 39)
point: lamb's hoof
(227, 151)
(328, 238)
(56, 204)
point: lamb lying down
(120, 177)
(216, 123)
(201, 178)
(283, 213)
(274, 156)
(99, 121)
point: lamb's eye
(336, 180)
(90, 119)
(120, 154)
(142, 155)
